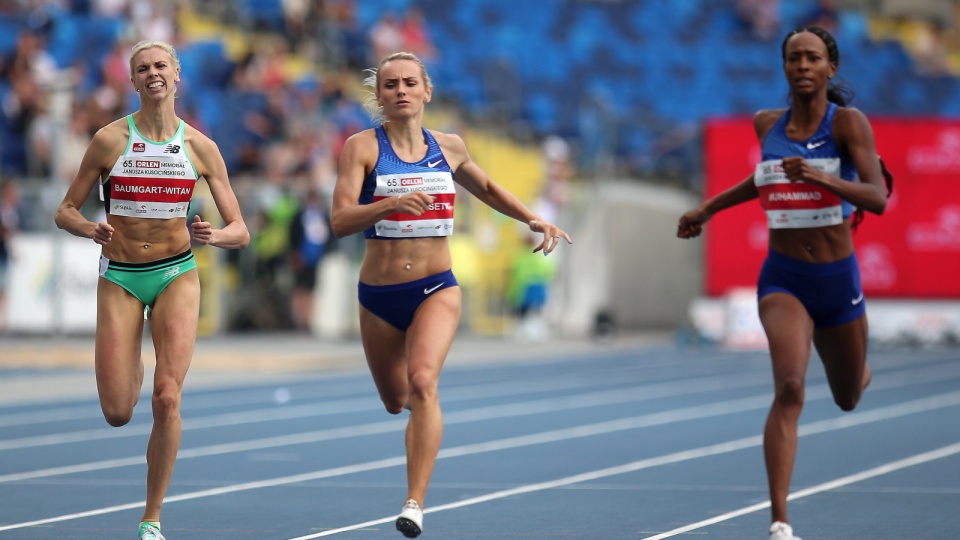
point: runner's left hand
(551, 236)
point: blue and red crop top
(392, 177)
(798, 205)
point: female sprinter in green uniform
(146, 166)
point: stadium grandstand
(629, 92)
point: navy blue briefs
(397, 303)
(830, 292)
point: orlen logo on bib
(411, 181)
(139, 147)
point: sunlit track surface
(636, 441)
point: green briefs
(147, 280)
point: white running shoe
(410, 521)
(149, 532)
(782, 531)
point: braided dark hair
(838, 93)
(888, 180)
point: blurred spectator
(110, 8)
(261, 68)
(761, 18)
(115, 66)
(557, 172)
(310, 240)
(265, 305)
(109, 99)
(415, 37)
(342, 43)
(30, 59)
(355, 44)
(153, 19)
(825, 15)
(296, 14)
(9, 225)
(528, 288)
(385, 37)
(930, 49)
(28, 68)
(55, 146)
(39, 136)
(72, 145)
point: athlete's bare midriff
(816, 245)
(387, 262)
(137, 240)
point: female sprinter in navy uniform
(396, 185)
(819, 162)
(147, 165)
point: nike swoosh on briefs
(434, 164)
(857, 300)
(430, 290)
(811, 145)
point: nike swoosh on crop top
(392, 177)
(799, 205)
(153, 180)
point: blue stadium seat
(9, 29)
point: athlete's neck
(156, 123)
(807, 113)
(405, 137)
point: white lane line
(463, 393)
(642, 392)
(512, 410)
(917, 459)
(194, 400)
(318, 385)
(216, 398)
(647, 392)
(592, 399)
(883, 413)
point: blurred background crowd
(554, 97)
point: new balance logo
(172, 149)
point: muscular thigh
(118, 344)
(789, 330)
(173, 323)
(431, 333)
(843, 351)
(385, 348)
(394, 355)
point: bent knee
(394, 403)
(119, 416)
(790, 393)
(166, 402)
(849, 401)
(423, 385)
(394, 407)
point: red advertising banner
(911, 251)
